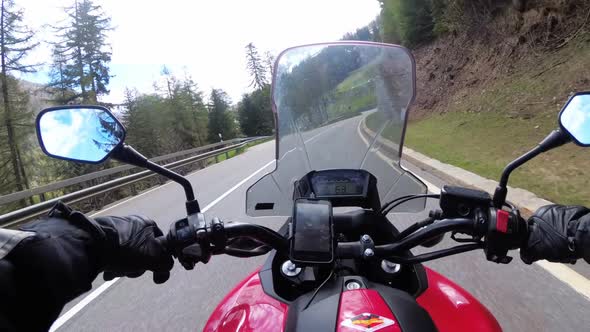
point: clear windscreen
(339, 106)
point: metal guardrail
(29, 212)
(25, 194)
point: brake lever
(472, 239)
(236, 252)
(192, 255)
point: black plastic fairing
(322, 312)
(408, 313)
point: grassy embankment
(484, 130)
(353, 95)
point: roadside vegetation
(177, 116)
(492, 77)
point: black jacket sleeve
(582, 237)
(58, 257)
(44, 272)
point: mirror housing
(91, 134)
(574, 118)
(82, 133)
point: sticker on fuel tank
(367, 322)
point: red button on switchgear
(502, 218)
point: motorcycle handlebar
(356, 249)
(259, 233)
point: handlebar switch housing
(459, 202)
(187, 240)
(505, 229)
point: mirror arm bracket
(129, 155)
(555, 139)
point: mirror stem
(129, 155)
(555, 139)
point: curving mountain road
(523, 298)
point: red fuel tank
(247, 308)
(453, 309)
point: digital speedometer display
(339, 183)
(338, 188)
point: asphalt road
(523, 298)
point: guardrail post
(216, 158)
(133, 189)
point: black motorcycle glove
(66, 253)
(131, 248)
(558, 233)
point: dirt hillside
(487, 96)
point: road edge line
(561, 272)
(61, 320)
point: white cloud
(60, 138)
(208, 37)
(576, 118)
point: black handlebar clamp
(188, 242)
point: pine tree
(269, 59)
(255, 114)
(220, 121)
(62, 85)
(171, 120)
(256, 67)
(191, 99)
(83, 54)
(16, 41)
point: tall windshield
(339, 106)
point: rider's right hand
(131, 248)
(558, 233)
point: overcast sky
(203, 38)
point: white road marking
(210, 205)
(563, 273)
(94, 294)
(80, 305)
(572, 278)
(312, 138)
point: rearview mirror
(87, 134)
(574, 118)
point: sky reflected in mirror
(83, 134)
(576, 118)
